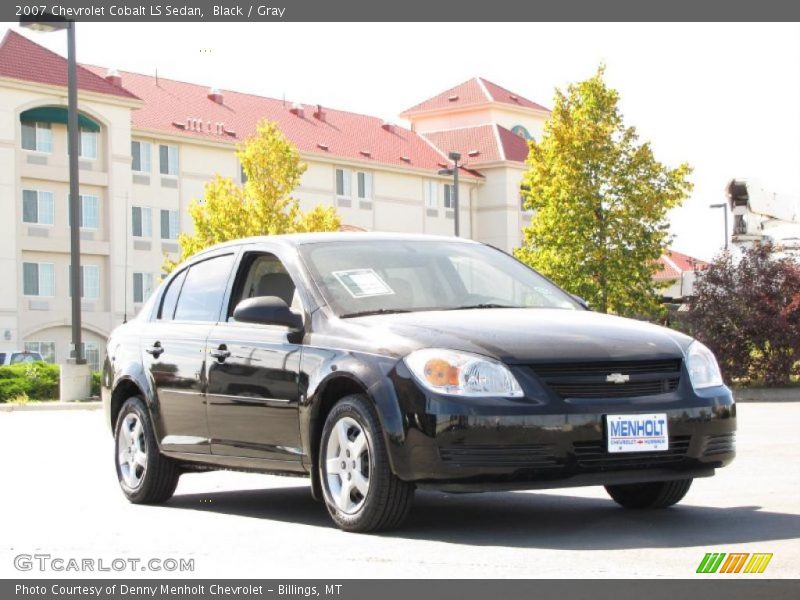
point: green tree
(263, 205)
(600, 199)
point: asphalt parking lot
(60, 497)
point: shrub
(748, 313)
(95, 390)
(37, 380)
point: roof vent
(405, 158)
(297, 109)
(319, 113)
(366, 153)
(386, 125)
(179, 124)
(215, 95)
(473, 153)
(514, 98)
(113, 77)
(453, 98)
(322, 146)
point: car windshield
(379, 276)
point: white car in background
(16, 357)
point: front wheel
(657, 494)
(361, 492)
(144, 475)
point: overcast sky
(725, 98)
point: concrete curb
(791, 394)
(54, 405)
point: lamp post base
(75, 382)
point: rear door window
(170, 300)
(204, 289)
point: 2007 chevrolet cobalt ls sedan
(378, 363)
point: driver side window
(264, 275)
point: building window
(90, 282)
(343, 183)
(37, 207)
(37, 136)
(87, 144)
(141, 222)
(431, 195)
(168, 159)
(142, 286)
(38, 279)
(89, 212)
(242, 174)
(449, 196)
(364, 185)
(91, 352)
(140, 151)
(169, 224)
(524, 190)
(46, 349)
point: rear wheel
(144, 475)
(361, 492)
(657, 494)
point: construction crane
(762, 216)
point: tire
(360, 490)
(658, 494)
(154, 477)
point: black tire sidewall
(142, 493)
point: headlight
(462, 373)
(702, 366)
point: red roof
(473, 92)
(673, 263)
(20, 58)
(481, 144)
(169, 106)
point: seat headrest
(276, 284)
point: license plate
(637, 433)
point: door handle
(221, 353)
(156, 350)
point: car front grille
(534, 456)
(723, 443)
(593, 456)
(591, 379)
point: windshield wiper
(483, 305)
(377, 311)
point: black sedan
(379, 363)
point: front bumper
(467, 444)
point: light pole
(455, 157)
(724, 207)
(47, 23)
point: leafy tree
(600, 199)
(748, 313)
(263, 205)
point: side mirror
(267, 310)
(581, 301)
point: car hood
(520, 335)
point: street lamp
(455, 157)
(47, 23)
(724, 207)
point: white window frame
(347, 182)
(172, 160)
(431, 192)
(37, 347)
(147, 282)
(86, 347)
(48, 198)
(90, 288)
(173, 222)
(45, 285)
(368, 182)
(447, 198)
(91, 135)
(40, 139)
(146, 223)
(84, 200)
(145, 154)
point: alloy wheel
(347, 465)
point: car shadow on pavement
(529, 520)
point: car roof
(294, 240)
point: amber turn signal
(441, 373)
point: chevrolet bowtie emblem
(617, 378)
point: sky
(723, 97)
